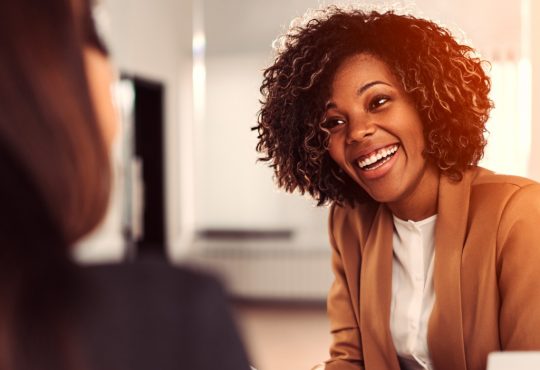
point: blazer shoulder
(495, 192)
(151, 279)
(489, 178)
(177, 314)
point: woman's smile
(378, 162)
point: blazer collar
(376, 293)
(445, 329)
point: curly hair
(444, 78)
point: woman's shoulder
(485, 177)
(155, 267)
(150, 277)
(504, 191)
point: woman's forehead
(363, 68)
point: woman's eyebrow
(368, 85)
(330, 105)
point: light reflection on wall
(509, 137)
(510, 125)
(199, 68)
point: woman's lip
(379, 171)
(366, 153)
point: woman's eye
(331, 123)
(377, 101)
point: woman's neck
(421, 203)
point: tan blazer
(486, 279)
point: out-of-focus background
(187, 183)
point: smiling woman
(383, 116)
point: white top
(412, 291)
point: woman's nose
(359, 128)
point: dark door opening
(149, 149)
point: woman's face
(100, 77)
(376, 135)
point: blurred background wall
(222, 209)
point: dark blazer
(486, 278)
(152, 316)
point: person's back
(150, 315)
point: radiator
(267, 270)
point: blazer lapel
(445, 331)
(376, 294)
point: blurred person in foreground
(57, 123)
(435, 259)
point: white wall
(212, 178)
(151, 39)
(233, 190)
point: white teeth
(378, 155)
